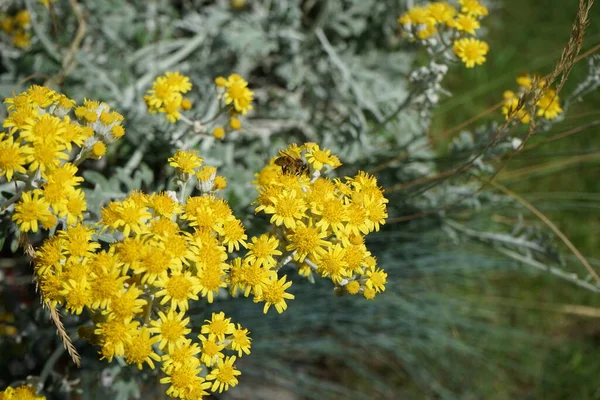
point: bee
(291, 165)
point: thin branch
(551, 225)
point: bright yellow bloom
(131, 217)
(139, 349)
(185, 161)
(353, 287)
(224, 375)
(211, 278)
(549, 105)
(178, 289)
(115, 334)
(77, 295)
(306, 240)
(241, 341)
(274, 294)
(238, 94)
(235, 123)
(471, 51)
(218, 132)
(211, 350)
(12, 157)
(31, 210)
(126, 304)
(98, 149)
(317, 158)
(287, 208)
(377, 280)
(332, 264)
(232, 234)
(466, 23)
(218, 325)
(441, 12)
(473, 7)
(183, 353)
(170, 329)
(262, 249)
(177, 82)
(22, 392)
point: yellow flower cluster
(319, 223)
(165, 255)
(22, 392)
(548, 106)
(237, 98)
(35, 150)
(450, 24)
(166, 95)
(16, 27)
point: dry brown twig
(69, 61)
(54, 314)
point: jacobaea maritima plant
(138, 268)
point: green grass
(527, 37)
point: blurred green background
(561, 180)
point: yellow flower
(224, 375)
(218, 132)
(126, 304)
(441, 12)
(306, 240)
(238, 94)
(218, 325)
(139, 349)
(185, 381)
(466, 23)
(240, 341)
(317, 158)
(232, 234)
(105, 285)
(178, 82)
(262, 249)
(164, 206)
(64, 175)
(77, 295)
(115, 334)
(22, 392)
(31, 210)
(235, 123)
(46, 3)
(287, 208)
(12, 157)
(274, 294)
(377, 280)
(549, 105)
(170, 329)
(178, 288)
(45, 155)
(212, 278)
(98, 149)
(211, 350)
(353, 287)
(473, 7)
(185, 161)
(417, 15)
(471, 51)
(131, 217)
(183, 353)
(332, 264)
